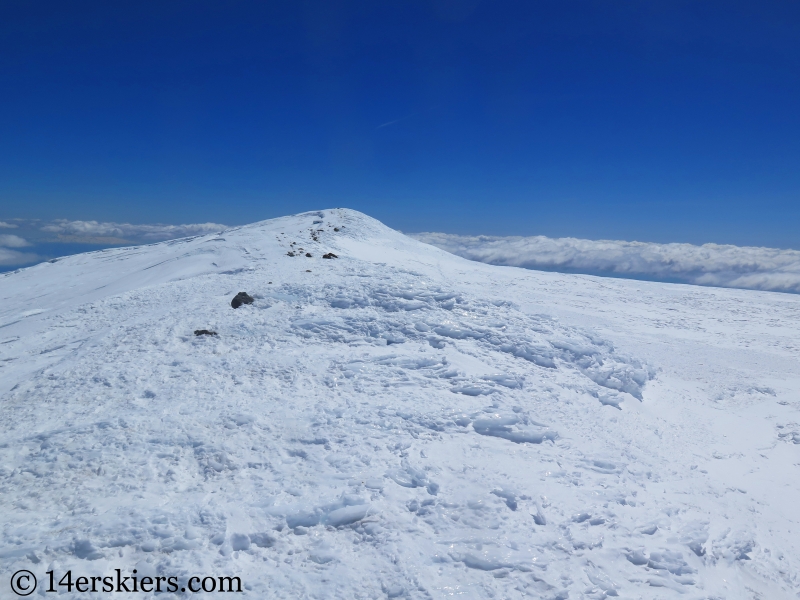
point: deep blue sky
(645, 120)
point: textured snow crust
(396, 422)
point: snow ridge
(395, 422)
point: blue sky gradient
(661, 121)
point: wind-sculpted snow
(437, 315)
(396, 423)
(721, 265)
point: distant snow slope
(397, 422)
(720, 265)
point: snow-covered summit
(395, 421)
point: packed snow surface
(394, 422)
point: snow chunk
(347, 515)
(508, 428)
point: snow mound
(397, 422)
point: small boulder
(241, 298)
(329, 255)
(204, 332)
(308, 254)
(290, 253)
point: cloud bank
(9, 257)
(98, 232)
(54, 234)
(14, 258)
(12, 241)
(753, 268)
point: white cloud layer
(86, 232)
(127, 231)
(710, 264)
(14, 258)
(12, 241)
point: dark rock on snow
(329, 255)
(241, 298)
(204, 332)
(308, 254)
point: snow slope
(397, 422)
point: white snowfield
(395, 422)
